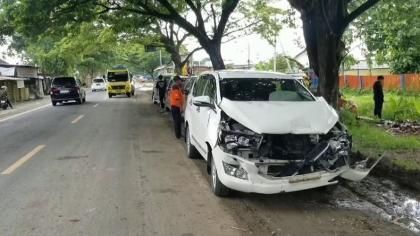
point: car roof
(64, 77)
(233, 74)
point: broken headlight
(236, 137)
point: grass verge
(402, 160)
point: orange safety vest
(176, 97)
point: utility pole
(160, 56)
(249, 57)
(284, 54)
(275, 55)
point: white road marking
(22, 160)
(23, 113)
(95, 105)
(77, 119)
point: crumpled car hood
(277, 117)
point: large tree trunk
(325, 50)
(214, 51)
(176, 58)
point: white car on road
(98, 84)
(266, 133)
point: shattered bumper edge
(257, 183)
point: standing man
(378, 96)
(161, 87)
(4, 96)
(177, 99)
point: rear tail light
(55, 90)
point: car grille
(118, 87)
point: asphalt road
(114, 167)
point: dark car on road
(65, 89)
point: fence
(403, 82)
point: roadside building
(22, 81)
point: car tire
(54, 103)
(219, 189)
(79, 101)
(109, 95)
(84, 100)
(192, 152)
(128, 94)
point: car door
(203, 113)
(194, 111)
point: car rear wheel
(218, 188)
(79, 101)
(109, 95)
(192, 153)
(128, 94)
(54, 103)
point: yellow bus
(120, 81)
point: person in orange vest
(177, 99)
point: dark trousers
(161, 98)
(176, 116)
(378, 109)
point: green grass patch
(397, 106)
(373, 141)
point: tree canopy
(391, 31)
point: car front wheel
(218, 188)
(192, 153)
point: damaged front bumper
(257, 180)
(259, 183)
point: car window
(199, 86)
(264, 89)
(98, 80)
(64, 81)
(210, 89)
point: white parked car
(98, 84)
(266, 133)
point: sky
(236, 51)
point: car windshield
(264, 89)
(98, 80)
(64, 81)
(117, 76)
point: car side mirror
(202, 101)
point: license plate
(98, 84)
(64, 91)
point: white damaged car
(266, 133)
